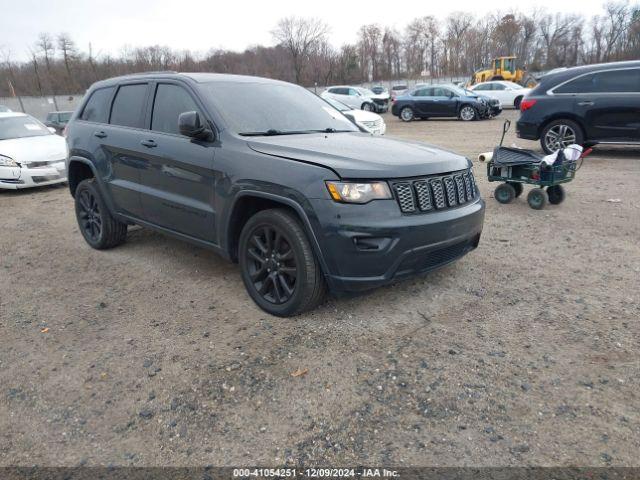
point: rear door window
(615, 81)
(171, 100)
(127, 110)
(97, 107)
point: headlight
(7, 162)
(352, 192)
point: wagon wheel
(556, 194)
(517, 187)
(537, 198)
(505, 193)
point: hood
(45, 148)
(360, 155)
(380, 96)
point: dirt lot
(525, 352)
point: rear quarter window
(97, 107)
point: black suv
(584, 105)
(269, 175)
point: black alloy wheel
(272, 264)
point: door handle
(149, 143)
(100, 134)
(585, 104)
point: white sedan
(372, 122)
(358, 98)
(30, 154)
(509, 93)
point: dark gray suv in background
(269, 175)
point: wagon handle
(505, 128)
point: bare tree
(69, 53)
(298, 36)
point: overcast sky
(200, 25)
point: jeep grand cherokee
(270, 176)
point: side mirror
(190, 125)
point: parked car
(443, 101)
(30, 154)
(584, 105)
(4, 109)
(509, 93)
(264, 173)
(379, 89)
(369, 121)
(57, 120)
(355, 97)
(398, 90)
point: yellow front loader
(504, 68)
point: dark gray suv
(270, 176)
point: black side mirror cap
(190, 125)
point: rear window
(616, 81)
(128, 105)
(97, 107)
(399, 87)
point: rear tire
(517, 187)
(556, 194)
(537, 198)
(279, 268)
(516, 102)
(560, 134)
(98, 227)
(505, 193)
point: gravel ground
(525, 352)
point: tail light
(527, 104)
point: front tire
(98, 227)
(279, 268)
(537, 198)
(467, 113)
(407, 114)
(505, 193)
(368, 107)
(560, 134)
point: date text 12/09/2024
(314, 473)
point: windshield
(21, 127)
(399, 87)
(65, 116)
(378, 90)
(336, 104)
(274, 108)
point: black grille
(380, 101)
(426, 194)
(429, 260)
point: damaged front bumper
(34, 174)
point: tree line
(426, 47)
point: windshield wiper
(274, 132)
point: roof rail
(151, 72)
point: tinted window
(250, 107)
(442, 92)
(423, 92)
(97, 108)
(340, 91)
(170, 102)
(128, 104)
(65, 116)
(399, 87)
(617, 81)
(51, 117)
(498, 86)
(353, 91)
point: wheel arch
(79, 169)
(249, 202)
